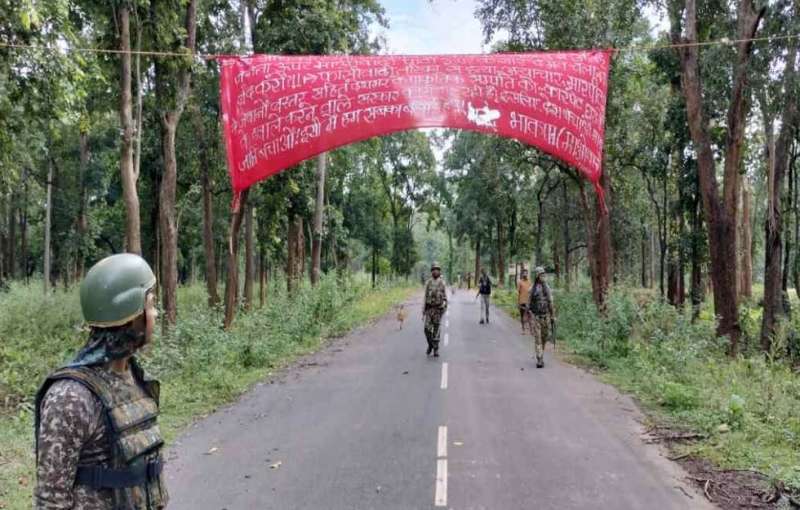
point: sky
(418, 27)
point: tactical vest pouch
(103, 478)
(540, 299)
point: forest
(110, 141)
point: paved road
(371, 423)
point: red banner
(281, 110)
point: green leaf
(25, 19)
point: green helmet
(436, 265)
(113, 292)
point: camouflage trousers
(433, 319)
(541, 333)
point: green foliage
(200, 365)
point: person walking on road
(540, 304)
(434, 307)
(523, 295)
(485, 292)
(98, 446)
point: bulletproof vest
(485, 285)
(135, 474)
(434, 293)
(540, 299)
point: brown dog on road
(401, 315)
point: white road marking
(441, 446)
(447, 323)
(446, 339)
(444, 377)
(441, 483)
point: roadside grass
(200, 365)
(747, 409)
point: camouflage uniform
(73, 432)
(541, 306)
(435, 305)
(92, 419)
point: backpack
(485, 285)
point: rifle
(553, 330)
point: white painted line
(446, 339)
(441, 483)
(441, 445)
(447, 323)
(444, 376)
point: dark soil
(736, 489)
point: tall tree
(720, 213)
(319, 207)
(777, 164)
(129, 174)
(173, 80)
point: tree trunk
(673, 285)
(601, 270)
(23, 225)
(652, 249)
(477, 258)
(47, 225)
(501, 262)
(3, 252)
(450, 256)
(720, 217)
(249, 267)
(232, 266)
(137, 152)
(374, 267)
(82, 221)
(208, 223)
(698, 289)
(167, 220)
(773, 245)
(745, 238)
(12, 235)
(296, 253)
(556, 247)
(128, 173)
(643, 247)
(319, 207)
(566, 235)
(167, 224)
(155, 219)
(588, 224)
(787, 232)
(681, 289)
(796, 265)
(262, 278)
(539, 233)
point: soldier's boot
(430, 348)
(540, 362)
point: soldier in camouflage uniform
(540, 304)
(435, 305)
(98, 446)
